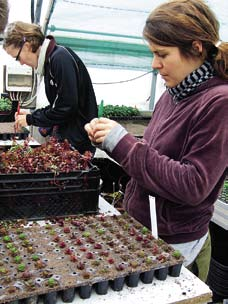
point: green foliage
(21, 267)
(225, 186)
(5, 104)
(120, 111)
(18, 259)
(52, 282)
(176, 254)
(144, 230)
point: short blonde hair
(18, 31)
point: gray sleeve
(114, 136)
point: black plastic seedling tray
(44, 195)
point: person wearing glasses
(182, 159)
(4, 14)
(68, 87)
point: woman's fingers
(99, 136)
(99, 128)
(88, 129)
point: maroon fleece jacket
(182, 161)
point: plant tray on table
(50, 180)
(80, 253)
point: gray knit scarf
(187, 86)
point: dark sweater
(181, 161)
(71, 96)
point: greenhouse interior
(113, 152)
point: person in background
(4, 14)
(68, 87)
(183, 156)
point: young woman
(183, 157)
(68, 85)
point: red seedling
(132, 231)
(72, 236)
(66, 230)
(111, 243)
(68, 251)
(83, 249)
(89, 255)
(56, 239)
(26, 275)
(104, 253)
(81, 228)
(139, 238)
(79, 242)
(97, 246)
(62, 244)
(90, 240)
(111, 261)
(120, 267)
(155, 250)
(61, 223)
(75, 223)
(73, 258)
(81, 266)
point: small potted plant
(5, 105)
(7, 110)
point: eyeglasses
(19, 52)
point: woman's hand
(99, 128)
(22, 112)
(20, 120)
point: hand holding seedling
(99, 128)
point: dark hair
(18, 31)
(4, 13)
(180, 22)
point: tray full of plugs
(80, 254)
(50, 180)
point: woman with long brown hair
(183, 157)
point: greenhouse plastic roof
(119, 17)
(106, 33)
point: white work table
(220, 216)
(186, 288)
(8, 143)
